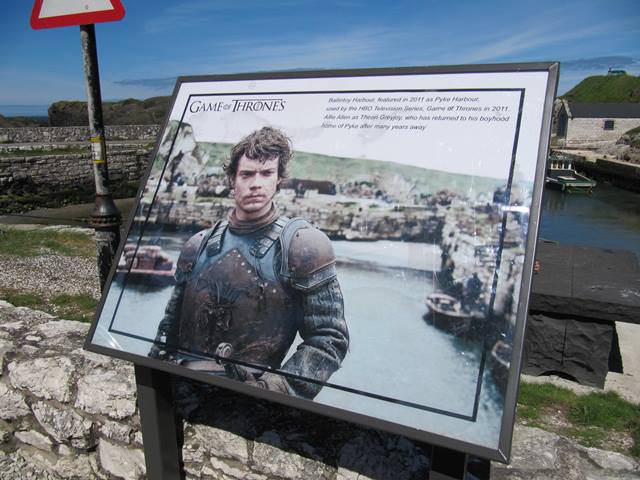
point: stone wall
(591, 130)
(69, 171)
(76, 134)
(73, 414)
(621, 174)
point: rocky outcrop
(125, 112)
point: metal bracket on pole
(157, 419)
(449, 464)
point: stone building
(594, 123)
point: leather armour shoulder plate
(190, 252)
(311, 261)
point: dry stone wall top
(76, 134)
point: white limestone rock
(72, 467)
(613, 461)
(527, 440)
(369, 456)
(65, 425)
(6, 347)
(48, 378)
(35, 438)
(269, 458)
(230, 469)
(120, 461)
(61, 332)
(12, 404)
(221, 442)
(110, 393)
(116, 431)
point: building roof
(604, 110)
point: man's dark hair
(263, 144)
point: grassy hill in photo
(606, 89)
(313, 166)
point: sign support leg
(157, 419)
(449, 464)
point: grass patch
(79, 307)
(22, 299)
(588, 436)
(605, 410)
(30, 243)
(83, 301)
(594, 420)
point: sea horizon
(24, 110)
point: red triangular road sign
(62, 13)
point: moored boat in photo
(446, 313)
(500, 362)
(149, 262)
(562, 175)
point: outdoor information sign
(358, 243)
(63, 13)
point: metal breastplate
(234, 295)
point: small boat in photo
(149, 264)
(446, 313)
(562, 175)
(499, 363)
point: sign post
(105, 218)
(154, 392)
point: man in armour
(246, 286)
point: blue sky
(141, 55)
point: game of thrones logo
(259, 105)
(239, 105)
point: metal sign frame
(502, 453)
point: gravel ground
(50, 274)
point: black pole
(105, 218)
(158, 423)
(447, 464)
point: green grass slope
(312, 166)
(606, 89)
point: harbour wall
(76, 134)
(620, 174)
(44, 173)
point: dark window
(608, 124)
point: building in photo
(593, 123)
